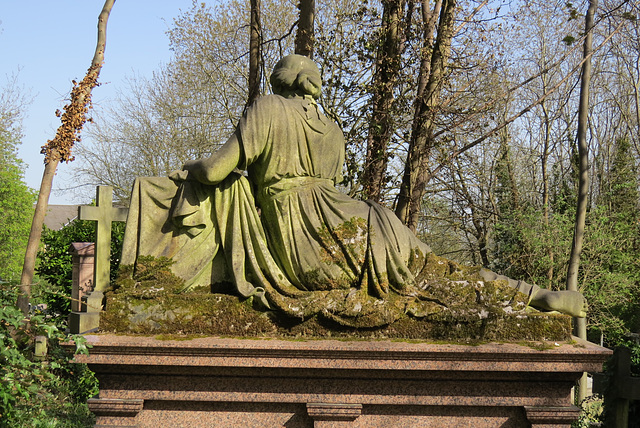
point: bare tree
(255, 57)
(381, 126)
(432, 73)
(583, 186)
(59, 149)
(305, 37)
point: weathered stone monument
(83, 254)
(226, 382)
(620, 387)
(93, 260)
(316, 310)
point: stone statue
(283, 233)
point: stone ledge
(355, 354)
(115, 407)
(330, 383)
(334, 411)
(551, 416)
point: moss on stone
(146, 300)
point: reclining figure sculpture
(283, 233)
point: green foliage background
(50, 391)
(16, 201)
(55, 265)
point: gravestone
(618, 386)
(82, 277)
(326, 269)
(86, 317)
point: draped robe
(283, 232)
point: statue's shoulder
(270, 102)
(263, 114)
(267, 106)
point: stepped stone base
(205, 382)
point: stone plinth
(205, 382)
(86, 303)
(82, 283)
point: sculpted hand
(187, 171)
(179, 175)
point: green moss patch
(147, 300)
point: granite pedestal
(217, 382)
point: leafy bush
(591, 413)
(55, 262)
(48, 391)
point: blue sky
(49, 43)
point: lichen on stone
(459, 307)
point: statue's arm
(214, 169)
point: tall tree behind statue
(59, 149)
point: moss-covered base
(225, 315)
(463, 311)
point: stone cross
(104, 214)
(619, 386)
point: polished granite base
(207, 382)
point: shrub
(48, 391)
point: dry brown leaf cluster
(73, 118)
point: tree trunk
(479, 230)
(514, 194)
(59, 149)
(255, 63)
(416, 172)
(583, 186)
(385, 78)
(545, 180)
(305, 39)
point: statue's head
(296, 75)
